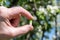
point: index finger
(19, 10)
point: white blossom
(49, 7)
(58, 33)
(55, 7)
(52, 8)
(39, 30)
(54, 36)
(42, 9)
(52, 11)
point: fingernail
(34, 18)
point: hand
(9, 19)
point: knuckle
(11, 34)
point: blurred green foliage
(43, 10)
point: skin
(9, 19)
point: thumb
(22, 30)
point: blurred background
(47, 15)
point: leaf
(1, 0)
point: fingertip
(34, 18)
(31, 27)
